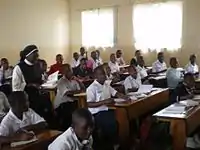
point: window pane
(98, 28)
(158, 26)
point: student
(26, 72)
(92, 63)
(82, 71)
(115, 78)
(58, 65)
(75, 60)
(192, 67)
(134, 60)
(113, 64)
(78, 136)
(99, 59)
(16, 125)
(185, 89)
(83, 53)
(174, 76)
(98, 96)
(4, 105)
(64, 101)
(133, 81)
(43, 68)
(119, 58)
(141, 68)
(159, 66)
(6, 71)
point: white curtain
(157, 26)
(98, 28)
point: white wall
(40, 22)
(190, 38)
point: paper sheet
(144, 89)
(15, 144)
(51, 81)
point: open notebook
(51, 81)
(21, 143)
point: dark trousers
(173, 96)
(106, 130)
(64, 114)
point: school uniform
(81, 57)
(104, 118)
(100, 60)
(82, 72)
(69, 141)
(120, 61)
(174, 77)
(157, 66)
(190, 68)
(130, 83)
(3, 105)
(75, 63)
(92, 64)
(142, 71)
(64, 104)
(11, 123)
(114, 67)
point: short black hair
(4, 59)
(160, 53)
(99, 68)
(83, 59)
(118, 50)
(188, 75)
(17, 97)
(137, 51)
(82, 113)
(193, 56)
(75, 53)
(58, 55)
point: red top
(54, 68)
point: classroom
(99, 75)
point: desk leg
(52, 95)
(82, 102)
(124, 129)
(178, 132)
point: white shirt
(3, 104)
(75, 63)
(100, 60)
(114, 67)
(65, 85)
(142, 71)
(97, 92)
(120, 61)
(130, 83)
(189, 68)
(157, 66)
(174, 76)
(11, 124)
(18, 81)
(69, 141)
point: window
(158, 26)
(98, 28)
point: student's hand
(24, 136)
(190, 96)
(108, 101)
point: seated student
(82, 71)
(43, 68)
(141, 68)
(58, 65)
(6, 71)
(99, 59)
(75, 60)
(192, 67)
(115, 78)
(78, 136)
(174, 76)
(185, 89)
(19, 120)
(119, 58)
(92, 63)
(98, 96)
(134, 60)
(4, 105)
(83, 53)
(133, 81)
(64, 101)
(113, 64)
(159, 66)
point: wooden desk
(82, 103)
(181, 127)
(132, 110)
(44, 139)
(52, 93)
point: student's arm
(132, 89)
(159, 72)
(91, 100)
(120, 95)
(36, 127)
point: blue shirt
(174, 76)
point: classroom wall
(40, 22)
(190, 37)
